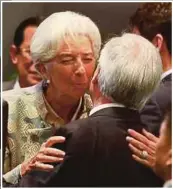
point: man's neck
(23, 83)
(101, 100)
(166, 61)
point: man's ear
(13, 54)
(95, 77)
(158, 41)
(169, 160)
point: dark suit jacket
(97, 154)
(5, 123)
(153, 112)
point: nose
(80, 68)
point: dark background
(111, 18)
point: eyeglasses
(25, 52)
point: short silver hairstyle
(54, 29)
(130, 70)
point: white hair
(54, 29)
(130, 70)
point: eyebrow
(27, 47)
(70, 53)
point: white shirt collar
(166, 74)
(168, 184)
(17, 85)
(102, 106)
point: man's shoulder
(163, 93)
(81, 128)
(160, 99)
(98, 123)
(10, 95)
(22, 94)
(80, 123)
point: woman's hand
(143, 147)
(45, 156)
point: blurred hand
(45, 155)
(139, 143)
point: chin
(79, 94)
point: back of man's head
(130, 69)
(152, 19)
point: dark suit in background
(5, 123)
(97, 154)
(153, 113)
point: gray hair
(130, 69)
(54, 29)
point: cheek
(24, 67)
(61, 74)
(90, 70)
(24, 64)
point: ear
(95, 76)
(42, 70)
(169, 160)
(158, 41)
(13, 54)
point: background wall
(111, 18)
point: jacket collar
(118, 112)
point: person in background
(4, 129)
(64, 48)
(158, 150)
(97, 154)
(21, 56)
(163, 163)
(154, 22)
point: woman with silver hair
(65, 48)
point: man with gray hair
(97, 153)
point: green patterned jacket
(27, 127)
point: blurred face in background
(21, 58)
(71, 71)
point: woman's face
(71, 71)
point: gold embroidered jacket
(28, 126)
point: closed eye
(67, 60)
(87, 59)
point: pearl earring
(47, 81)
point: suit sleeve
(75, 170)
(153, 112)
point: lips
(80, 85)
